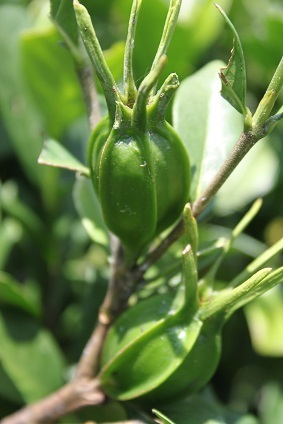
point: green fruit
(151, 340)
(138, 164)
(163, 348)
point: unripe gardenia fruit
(166, 347)
(139, 166)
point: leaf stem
(139, 110)
(97, 58)
(169, 27)
(267, 102)
(129, 83)
(259, 262)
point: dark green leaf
(54, 154)
(26, 353)
(203, 409)
(62, 13)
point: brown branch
(84, 390)
(69, 398)
(89, 361)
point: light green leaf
(254, 177)
(233, 76)
(207, 124)
(264, 318)
(54, 154)
(26, 353)
(164, 420)
(88, 207)
(271, 403)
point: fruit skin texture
(166, 346)
(142, 177)
(151, 357)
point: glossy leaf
(207, 124)
(233, 76)
(54, 154)
(89, 210)
(26, 353)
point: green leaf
(62, 14)
(264, 318)
(88, 207)
(16, 208)
(51, 79)
(164, 420)
(203, 409)
(233, 76)
(54, 154)
(20, 117)
(254, 177)
(26, 353)
(271, 403)
(14, 294)
(10, 234)
(207, 124)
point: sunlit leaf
(265, 317)
(207, 124)
(54, 154)
(254, 177)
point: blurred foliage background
(52, 276)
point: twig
(246, 141)
(89, 361)
(71, 397)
